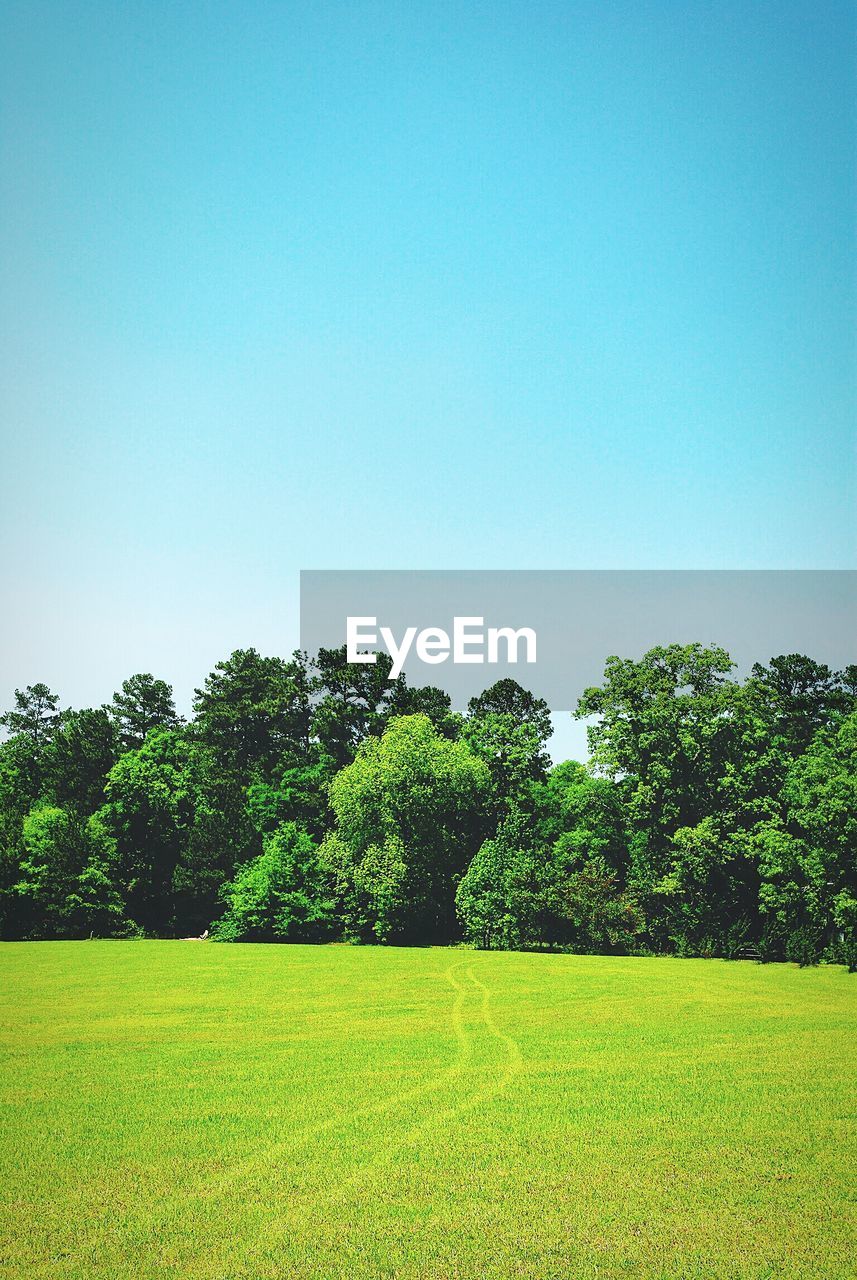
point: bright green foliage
(410, 811)
(507, 896)
(283, 895)
(546, 881)
(65, 887)
(298, 793)
(666, 732)
(717, 818)
(583, 815)
(809, 861)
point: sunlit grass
(246, 1112)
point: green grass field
(225, 1112)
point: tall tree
(177, 835)
(65, 887)
(84, 750)
(31, 723)
(254, 711)
(353, 701)
(509, 728)
(795, 697)
(143, 704)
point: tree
(143, 704)
(65, 887)
(353, 701)
(84, 749)
(428, 701)
(173, 819)
(32, 723)
(509, 729)
(795, 697)
(34, 715)
(505, 895)
(583, 816)
(410, 811)
(809, 862)
(283, 895)
(297, 793)
(252, 711)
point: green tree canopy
(410, 812)
(143, 704)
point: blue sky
(386, 286)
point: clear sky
(506, 285)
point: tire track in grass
(514, 1065)
(369, 1175)
(515, 1061)
(259, 1160)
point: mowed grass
(245, 1112)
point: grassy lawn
(243, 1112)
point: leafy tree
(143, 704)
(252, 711)
(597, 916)
(504, 900)
(509, 728)
(298, 793)
(668, 736)
(409, 813)
(539, 882)
(508, 698)
(583, 815)
(809, 862)
(34, 715)
(65, 886)
(173, 822)
(283, 895)
(795, 697)
(32, 723)
(84, 749)
(705, 903)
(354, 700)
(428, 701)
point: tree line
(315, 800)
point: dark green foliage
(427, 701)
(84, 749)
(167, 809)
(354, 700)
(509, 729)
(143, 704)
(32, 725)
(298, 792)
(253, 710)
